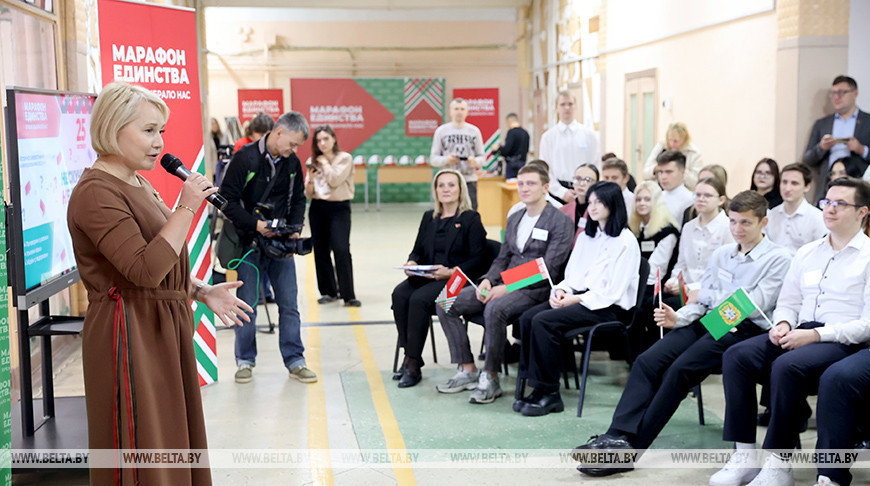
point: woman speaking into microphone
(141, 383)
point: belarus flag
(448, 294)
(525, 274)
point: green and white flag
(721, 320)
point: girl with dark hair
(600, 285)
(765, 181)
(329, 185)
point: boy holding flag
(537, 231)
(663, 375)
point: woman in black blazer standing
(451, 235)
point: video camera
(280, 245)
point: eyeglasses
(823, 203)
(763, 173)
(583, 181)
(701, 195)
(840, 92)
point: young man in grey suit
(537, 231)
(845, 134)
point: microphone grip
(217, 201)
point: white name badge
(581, 223)
(725, 276)
(812, 277)
(647, 246)
(540, 234)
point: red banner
(424, 104)
(159, 52)
(155, 47)
(482, 113)
(343, 104)
(253, 101)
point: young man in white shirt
(822, 314)
(565, 147)
(670, 170)
(615, 170)
(795, 222)
(538, 231)
(459, 145)
(663, 375)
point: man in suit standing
(537, 231)
(845, 134)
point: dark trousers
(330, 235)
(413, 307)
(472, 194)
(793, 376)
(844, 395)
(663, 375)
(545, 339)
(497, 314)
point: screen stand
(46, 327)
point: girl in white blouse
(600, 285)
(700, 238)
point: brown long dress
(114, 228)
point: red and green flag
(721, 320)
(451, 290)
(684, 289)
(526, 274)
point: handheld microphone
(174, 166)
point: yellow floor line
(392, 434)
(312, 307)
(318, 434)
(353, 312)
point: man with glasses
(846, 133)
(267, 176)
(822, 316)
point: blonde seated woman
(657, 235)
(676, 138)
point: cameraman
(250, 173)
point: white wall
(721, 82)
(859, 49)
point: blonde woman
(140, 369)
(676, 138)
(657, 235)
(450, 235)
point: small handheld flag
(451, 290)
(526, 274)
(658, 292)
(728, 314)
(684, 289)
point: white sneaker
(740, 469)
(487, 390)
(775, 472)
(825, 481)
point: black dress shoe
(598, 472)
(352, 303)
(410, 378)
(398, 374)
(603, 441)
(550, 402)
(519, 404)
(326, 299)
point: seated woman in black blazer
(450, 236)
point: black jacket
(467, 243)
(246, 179)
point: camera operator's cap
(359, 160)
(420, 160)
(404, 160)
(374, 160)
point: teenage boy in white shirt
(795, 222)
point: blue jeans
(282, 273)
